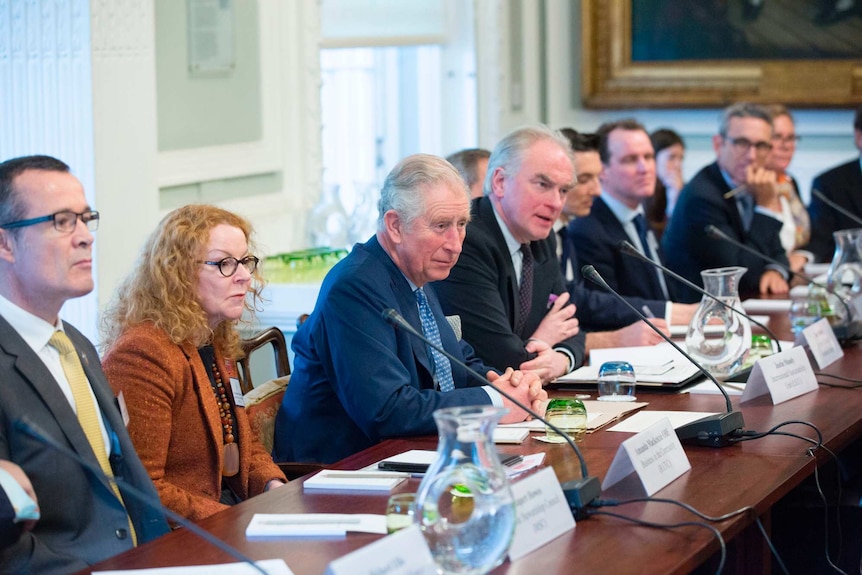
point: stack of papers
(644, 419)
(510, 435)
(313, 524)
(766, 305)
(653, 364)
(599, 414)
(271, 566)
(375, 481)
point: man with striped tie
(357, 379)
(50, 373)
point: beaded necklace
(230, 465)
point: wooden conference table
(753, 473)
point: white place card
(402, 553)
(313, 524)
(542, 513)
(822, 342)
(655, 454)
(783, 375)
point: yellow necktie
(88, 417)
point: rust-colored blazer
(175, 425)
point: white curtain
(46, 103)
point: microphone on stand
(711, 431)
(31, 429)
(843, 211)
(579, 492)
(628, 249)
(851, 331)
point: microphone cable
(31, 429)
(578, 493)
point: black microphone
(630, 250)
(712, 430)
(844, 212)
(852, 330)
(579, 492)
(31, 429)
(716, 234)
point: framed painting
(672, 53)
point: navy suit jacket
(9, 530)
(482, 288)
(80, 515)
(842, 185)
(688, 250)
(358, 380)
(597, 236)
(599, 310)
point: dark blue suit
(9, 530)
(688, 250)
(357, 380)
(598, 310)
(842, 185)
(597, 237)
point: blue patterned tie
(442, 367)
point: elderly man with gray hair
(358, 380)
(737, 195)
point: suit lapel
(203, 390)
(484, 211)
(38, 377)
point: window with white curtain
(380, 103)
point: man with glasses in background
(737, 195)
(50, 374)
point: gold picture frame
(612, 80)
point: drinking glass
(568, 414)
(617, 381)
(399, 511)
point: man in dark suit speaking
(358, 380)
(507, 286)
(51, 374)
(842, 185)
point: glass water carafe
(845, 271)
(717, 337)
(464, 505)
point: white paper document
(271, 566)
(766, 305)
(644, 419)
(708, 387)
(333, 480)
(313, 524)
(652, 364)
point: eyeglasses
(786, 140)
(743, 145)
(229, 265)
(64, 221)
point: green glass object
(570, 415)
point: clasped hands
(526, 387)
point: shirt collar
(511, 242)
(34, 330)
(622, 212)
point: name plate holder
(822, 342)
(655, 454)
(783, 376)
(402, 553)
(542, 513)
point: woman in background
(796, 230)
(171, 343)
(669, 154)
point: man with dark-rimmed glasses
(50, 373)
(737, 195)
